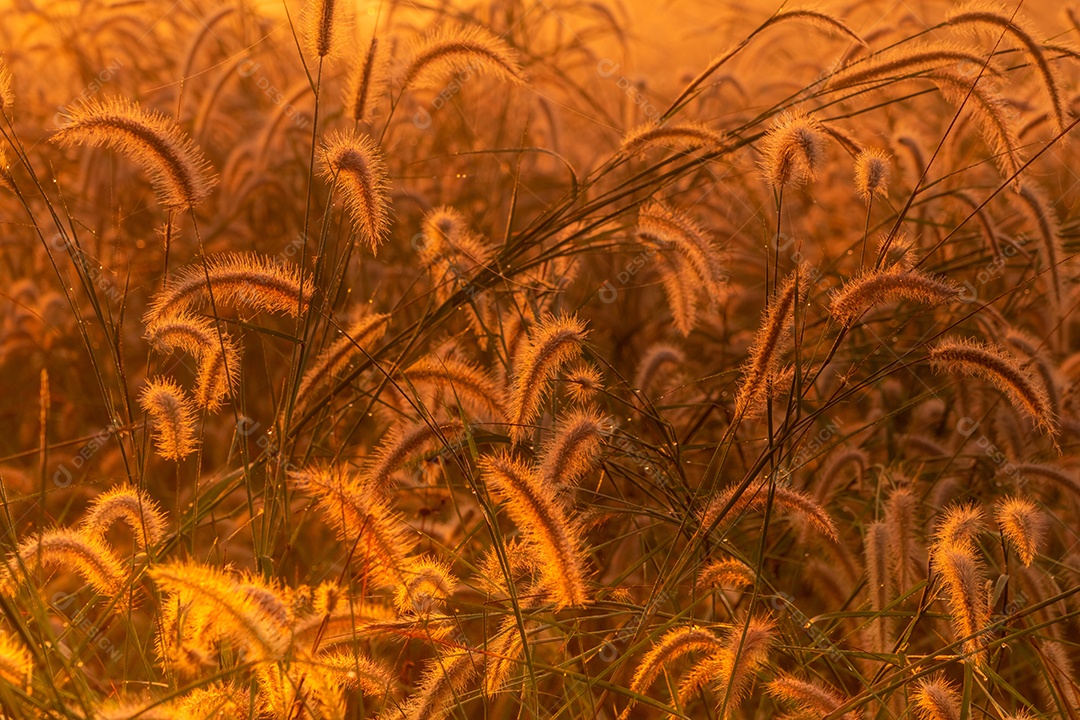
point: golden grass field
(536, 360)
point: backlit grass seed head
(901, 521)
(817, 18)
(491, 576)
(1043, 364)
(663, 226)
(553, 539)
(248, 281)
(785, 499)
(876, 286)
(445, 678)
(905, 61)
(583, 383)
(677, 278)
(936, 699)
(358, 672)
(16, 662)
(964, 580)
(427, 584)
(7, 94)
(71, 551)
(358, 339)
(503, 657)
(1002, 370)
(219, 374)
(660, 355)
(1040, 211)
(573, 450)
(769, 342)
(686, 136)
(300, 684)
(177, 168)
(224, 700)
(402, 445)
(172, 416)
(451, 252)
(449, 52)
(872, 172)
(552, 344)
(356, 163)
(812, 699)
(184, 332)
(1014, 24)
(793, 151)
(441, 228)
(1065, 480)
(994, 116)
(959, 528)
(362, 518)
(367, 83)
(1023, 525)
(226, 611)
(460, 382)
(271, 598)
(1058, 680)
(878, 583)
(325, 26)
(218, 355)
(729, 573)
(134, 507)
(743, 656)
(674, 645)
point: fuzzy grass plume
(355, 163)
(178, 170)
(996, 366)
(850, 302)
(555, 342)
(68, 550)
(793, 151)
(172, 415)
(244, 280)
(451, 52)
(553, 538)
